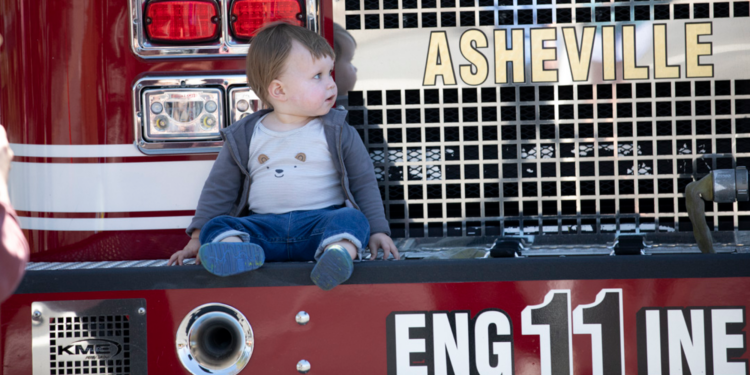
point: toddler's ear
(276, 91)
(301, 157)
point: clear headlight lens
(211, 106)
(156, 108)
(182, 114)
(243, 103)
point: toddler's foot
(231, 258)
(333, 268)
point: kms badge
(442, 343)
(89, 349)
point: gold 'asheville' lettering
(579, 59)
(438, 60)
(514, 55)
(470, 40)
(540, 54)
(694, 50)
(510, 53)
(630, 70)
(661, 69)
(608, 53)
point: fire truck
(532, 156)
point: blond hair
(270, 48)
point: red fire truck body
(90, 97)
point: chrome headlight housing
(182, 114)
(242, 102)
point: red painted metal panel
(68, 71)
(101, 160)
(347, 333)
(90, 246)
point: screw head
(36, 315)
(303, 366)
(141, 311)
(302, 318)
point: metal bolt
(36, 315)
(141, 311)
(303, 366)
(302, 318)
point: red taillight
(182, 21)
(249, 15)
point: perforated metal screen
(560, 157)
(110, 327)
(89, 337)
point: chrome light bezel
(189, 82)
(149, 116)
(236, 94)
(192, 321)
(225, 46)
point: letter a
(438, 60)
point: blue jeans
(294, 236)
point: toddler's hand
(379, 240)
(190, 251)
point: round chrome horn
(215, 338)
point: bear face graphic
(279, 172)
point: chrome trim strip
(312, 15)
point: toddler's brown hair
(270, 48)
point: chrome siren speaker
(215, 339)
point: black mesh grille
(609, 160)
(480, 14)
(112, 328)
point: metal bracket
(630, 245)
(508, 247)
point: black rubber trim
(380, 272)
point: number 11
(551, 321)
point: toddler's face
(308, 83)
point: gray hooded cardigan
(228, 185)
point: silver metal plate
(725, 187)
(89, 337)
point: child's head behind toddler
(270, 49)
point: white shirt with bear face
(292, 170)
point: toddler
(293, 182)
